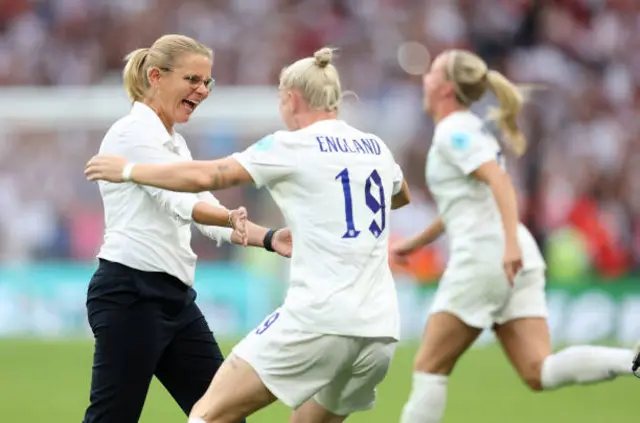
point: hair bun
(323, 57)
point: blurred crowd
(579, 183)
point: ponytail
(135, 74)
(511, 101)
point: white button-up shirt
(148, 228)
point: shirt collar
(153, 122)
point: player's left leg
(524, 334)
(235, 392)
(527, 343)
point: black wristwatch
(268, 238)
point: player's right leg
(467, 298)
(526, 342)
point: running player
(495, 276)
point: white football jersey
(333, 184)
(461, 144)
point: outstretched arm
(191, 176)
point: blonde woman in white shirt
(495, 277)
(140, 301)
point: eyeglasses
(195, 80)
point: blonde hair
(472, 77)
(163, 54)
(316, 79)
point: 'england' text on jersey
(343, 145)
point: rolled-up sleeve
(180, 206)
(217, 233)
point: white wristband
(126, 172)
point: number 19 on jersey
(375, 203)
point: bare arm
(430, 234)
(279, 242)
(187, 176)
(505, 195)
(266, 161)
(208, 214)
(403, 249)
(402, 198)
(193, 176)
(256, 235)
(426, 237)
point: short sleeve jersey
(333, 184)
(461, 144)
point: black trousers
(145, 324)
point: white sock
(585, 364)
(427, 399)
(195, 420)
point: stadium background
(579, 185)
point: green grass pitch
(48, 381)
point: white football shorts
(481, 296)
(339, 372)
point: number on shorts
(268, 322)
(375, 204)
(500, 160)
